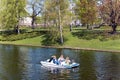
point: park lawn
(93, 43)
(72, 42)
(30, 41)
(36, 41)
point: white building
(25, 21)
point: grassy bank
(97, 39)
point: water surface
(23, 63)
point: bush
(15, 37)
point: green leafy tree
(86, 11)
(11, 12)
(56, 13)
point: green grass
(31, 41)
(74, 41)
(77, 38)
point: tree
(55, 14)
(36, 7)
(109, 11)
(86, 11)
(11, 12)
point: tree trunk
(60, 27)
(18, 18)
(113, 20)
(70, 27)
(87, 26)
(45, 20)
(33, 22)
(114, 26)
(17, 30)
(61, 36)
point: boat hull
(52, 65)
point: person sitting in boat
(67, 61)
(50, 60)
(61, 59)
(54, 59)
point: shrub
(15, 37)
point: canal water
(23, 63)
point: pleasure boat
(52, 65)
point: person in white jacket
(61, 59)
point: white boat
(52, 65)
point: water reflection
(87, 69)
(23, 63)
(60, 71)
(107, 66)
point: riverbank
(63, 47)
(94, 45)
(97, 40)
